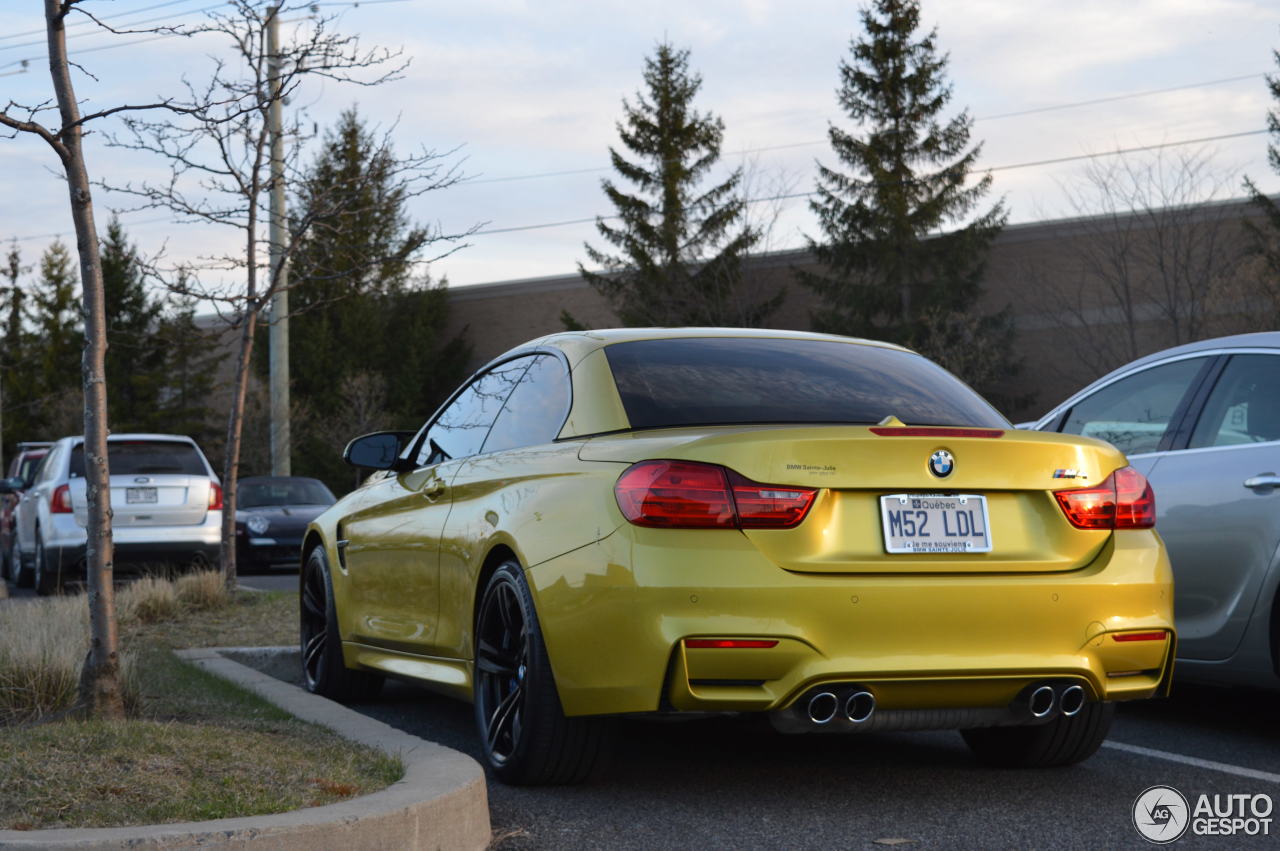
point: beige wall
(1053, 274)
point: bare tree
(100, 693)
(219, 163)
(1150, 260)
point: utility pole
(278, 340)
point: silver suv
(165, 499)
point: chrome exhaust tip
(860, 706)
(1071, 700)
(823, 707)
(1041, 702)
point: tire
(6, 556)
(323, 670)
(524, 734)
(21, 574)
(46, 578)
(1062, 741)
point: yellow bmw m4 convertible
(835, 533)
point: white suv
(166, 504)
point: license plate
(140, 496)
(933, 523)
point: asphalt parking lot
(734, 783)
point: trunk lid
(854, 466)
(157, 500)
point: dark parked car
(272, 513)
(25, 461)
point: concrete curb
(440, 803)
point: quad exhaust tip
(1042, 700)
(1071, 700)
(860, 706)
(823, 707)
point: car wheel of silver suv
(47, 578)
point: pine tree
(135, 361)
(190, 364)
(59, 333)
(358, 306)
(18, 390)
(888, 269)
(680, 247)
(1267, 235)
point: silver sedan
(1202, 423)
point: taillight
(769, 506)
(215, 497)
(691, 495)
(1123, 501)
(60, 502)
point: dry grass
(196, 747)
(204, 589)
(44, 646)
(147, 600)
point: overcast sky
(522, 89)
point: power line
(79, 24)
(28, 59)
(793, 195)
(1008, 167)
(1014, 114)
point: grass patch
(95, 773)
(42, 652)
(196, 747)
(251, 619)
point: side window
(1133, 413)
(50, 464)
(1244, 406)
(535, 411)
(461, 428)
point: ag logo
(941, 463)
(1161, 814)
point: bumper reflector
(1159, 635)
(722, 643)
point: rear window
(303, 492)
(713, 381)
(27, 465)
(145, 458)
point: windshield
(145, 457)
(717, 381)
(288, 492)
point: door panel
(1221, 537)
(392, 557)
(1221, 533)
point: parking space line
(1239, 771)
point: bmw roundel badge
(941, 463)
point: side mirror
(377, 451)
(12, 485)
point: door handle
(434, 491)
(1263, 480)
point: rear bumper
(615, 617)
(65, 542)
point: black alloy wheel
(525, 736)
(502, 662)
(324, 671)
